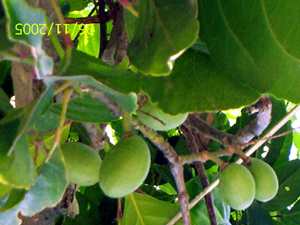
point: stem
(127, 124)
(58, 133)
(119, 211)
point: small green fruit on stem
(125, 167)
(266, 180)
(237, 186)
(82, 164)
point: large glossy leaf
(255, 43)
(194, 85)
(289, 186)
(163, 30)
(290, 216)
(143, 209)
(46, 192)
(257, 215)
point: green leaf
(143, 209)
(127, 102)
(32, 113)
(14, 197)
(5, 43)
(255, 43)
(185, 90)
(289, 186)
(4, 102)
(199, 213)
(280, 147)
(160, 38)
(290, 216)
(75, 4)
(5, 68)
(296, 139)
(86, 109)
(18, 169)
(88, 41)
(46, 192)
(257, 215)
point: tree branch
(194, 147)
(176, 167)
(250, 151)
(87, 20)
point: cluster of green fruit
(126, 165)
(240, 185)
(122, 171)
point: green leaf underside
(159, 36)
(127, 102)
(46, 192)
(251, 42)
(186, 89)
(86, 109)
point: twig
(176, 166)
(58, 133)
(250, 151)
(86, 20)
(193, 145)
(209, 131)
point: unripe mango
(266, 180)
(125, 167)
(82, 164)
(152, 116)
(237, 186)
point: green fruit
(155, 118)
(237, 186)
(82, 164)
(265, 179)
(125, 167)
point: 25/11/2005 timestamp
(47, 29)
